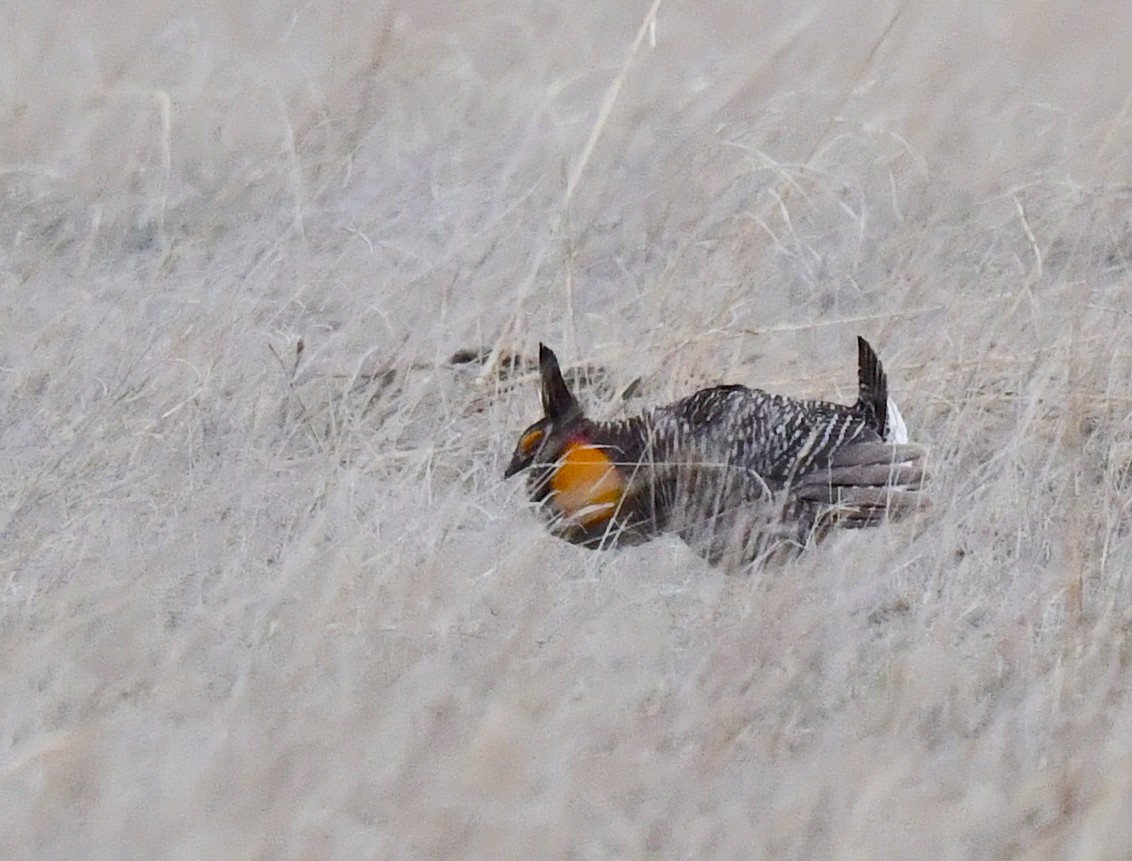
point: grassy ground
(265, 594)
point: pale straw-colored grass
(265, 594)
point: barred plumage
(736, 472)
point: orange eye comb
(530, 440)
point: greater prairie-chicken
(736, 472)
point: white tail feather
(896, 430)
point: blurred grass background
(264, 592)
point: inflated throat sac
(586, 486)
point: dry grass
(276, 603)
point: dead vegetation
(270, 276)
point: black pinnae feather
(558, 402)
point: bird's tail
(872, 398)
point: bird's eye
(529, 440)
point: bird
(740, 474)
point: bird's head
(568, 469)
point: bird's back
(774, 437)
(721, 464)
